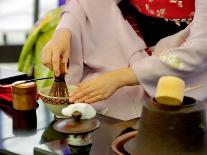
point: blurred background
(17, 18)
(25, 27)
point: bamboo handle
(62, 72)
(62, 68)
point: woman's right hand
(57, 51)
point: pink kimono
(102, 40)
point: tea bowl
(55, 104)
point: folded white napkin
(86, 110)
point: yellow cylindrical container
(170, 91)
(24, 95)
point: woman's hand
(103, 86)
(57, 51)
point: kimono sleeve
(72, 13)
(187, 61)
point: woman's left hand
(96, 89)
(103, 86)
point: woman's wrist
(125, 77)
(63, 31)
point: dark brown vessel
(167, 130)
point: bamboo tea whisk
(59, 87)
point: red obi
(169, 9)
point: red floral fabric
(169, 9)
(175, 10)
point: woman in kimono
(118, 50)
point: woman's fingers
(51, 58)
(57, 51)
(81, 86)
(96, 89)
(95, 99)
(88, 96)
(46, 57)
(56, 61)
(65, 58)
(80, 93)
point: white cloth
(86, 110)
